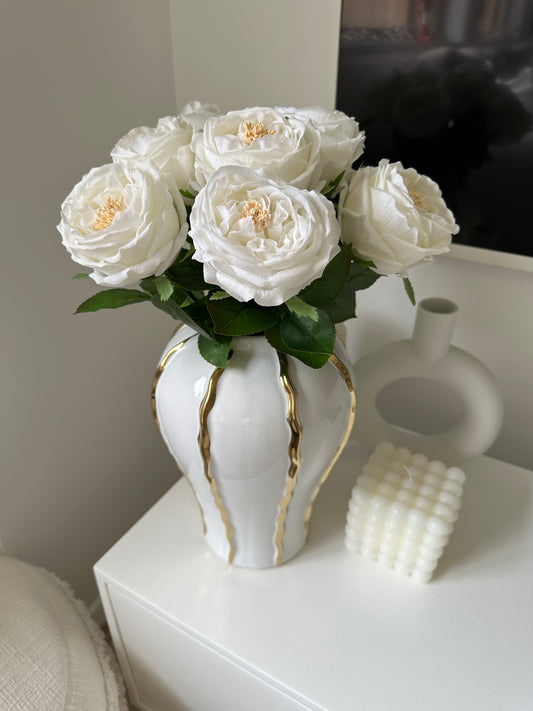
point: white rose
(342, 142)
(196, 114)
(395, 217)
(259, 138)
(260, 238)
(122, 223)
(168, 145)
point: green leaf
(197, 310)
(238, 318)
(164, 287)
(81, 275)
(187, 194)
(331, 188)
(180, 296)
(218, 296)
(409, 290)
(215, 352)
(343, 308)
(189, 274)
(362, 262)
(184, 253)
(112, 299)
(178, 313)
(273, 336)
(155, 287)
(324, 289)
(300, 308)
(361, 275)
(309, 341)
(174, 309)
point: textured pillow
(53, 656)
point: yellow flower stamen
(255, 130)
(106, 214)
(257, 212)
(417, 199)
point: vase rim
(438, 305)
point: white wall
(80, 458)
(238, 53)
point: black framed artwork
(446, 87)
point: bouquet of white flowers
(250, 222)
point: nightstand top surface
(340, 632)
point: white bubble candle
(402, 510)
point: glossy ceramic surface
(255, 440)
(427, 395)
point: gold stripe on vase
(204, 440)
(158, 373)
(293, 450)
(161, 367)
(345, 374)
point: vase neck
(435, 320)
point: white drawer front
(168, 669)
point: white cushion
(53, 656)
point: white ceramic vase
(256, 440)
(427, 395)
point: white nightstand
(329, 630)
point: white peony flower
(260, 238)
(122, 223)
(395, 217)
(342, 142)
(260, 138)
(168, 145)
